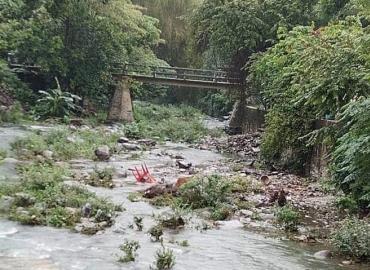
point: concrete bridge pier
(121, 106)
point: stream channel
(228, 247)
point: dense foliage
(78, 41)
(310, 74)
(351, 158)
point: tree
(309, 74)
(79, 41)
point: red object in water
(143, 175)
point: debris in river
(183, 165)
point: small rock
(123, 140)
(23, 199)
(347, 262)
(183, 165)
(86, 210)
(147, 142)
(47, 154)
(6, 203)
(130, 146)
(323, 254)
(103, 153)
(246, 213)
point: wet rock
(347, 262)
(103, 153)
(246, 213)
(23, 199)
(86, 210)
(47, 154)
(6, 203)
(179, 157)
(88, 227)
(266, 217)
(183, 164)
(130, 146)
(123, 140)
(147, 142)
(323, 254)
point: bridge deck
(198, 78)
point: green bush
(352, 238)
(209, 191)
(351, 157)
(165, 260)
(309, 74)
(288, 217)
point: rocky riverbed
(229, 244)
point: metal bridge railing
(186, 74)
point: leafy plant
(138, 221)
(165, 260)
(352, 238)
(130, 248)
(288, 217)
(56, 103)
(206, 191)
(351, 157)
(156, 232)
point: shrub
(352, 238)
(165, 260)
(156, 232)
(130, 248)
(288, 217)
(351, 157)
(206, 191)
(309, 74)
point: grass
(42, 198)
(176, 123)
(3, 154)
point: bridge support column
(238, 116)
(121, 105)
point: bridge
(121, 106)
(175, 76)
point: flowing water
(228, 247)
